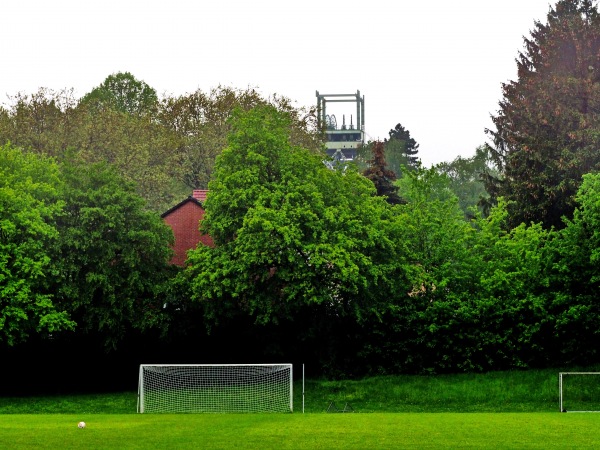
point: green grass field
(302, 431)
(498, 410)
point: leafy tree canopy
(29, 204)
(112, 253)
(576, 276)
(57, 124)
(41, 121)
(201, 122)
(433, 227)
(167, 146)
(79, 251)
(466, 177)
(289, 232)
(125, 93)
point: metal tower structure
(342, 141)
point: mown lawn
(302, 431)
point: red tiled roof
(200, 194)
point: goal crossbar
(216, 388)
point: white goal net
(212, 388)
(579, 391)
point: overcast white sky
(434, 66)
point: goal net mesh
(215, 388)
(579, 391)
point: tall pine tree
(547, 128)
(401, 150)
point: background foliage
(350, 274)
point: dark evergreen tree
(547, 126)
(382, 177)
(401, 150)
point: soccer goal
(579, 391)
(212, 388)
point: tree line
(379, 287)
(167, 145)
(307, 260)
(357, 270)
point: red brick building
(184, 219)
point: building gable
(184, 219)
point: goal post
(215, 388)
(579, 391)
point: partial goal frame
(561, 377)
(215, 388)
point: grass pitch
(301, 431)
(504, 410)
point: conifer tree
(401, 150)
(547, 126)
(382, 177)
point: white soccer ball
(81, 425)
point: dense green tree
(401, 150)
(123, 92)
(466, 177)
(119, 126)
(576, 278)
(480, 298)
(484, 301)
(439, 243)
(112, 254)
(433, 227)
(29, 204)
(291, 234)
(513, 292)
(546, 134)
